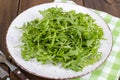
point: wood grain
(110, 6)
(79, 2)
(8, 11)
(25, 4)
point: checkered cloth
(110, 70)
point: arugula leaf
(67, 38)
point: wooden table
(9, 9)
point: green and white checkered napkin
(110, 70)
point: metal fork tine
(1, 53)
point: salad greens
(67, 38)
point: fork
(13, 68)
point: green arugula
(67, 38)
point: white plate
(48, 70)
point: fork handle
(20, 75)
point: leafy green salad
(69, 39)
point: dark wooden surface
(9, 9)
